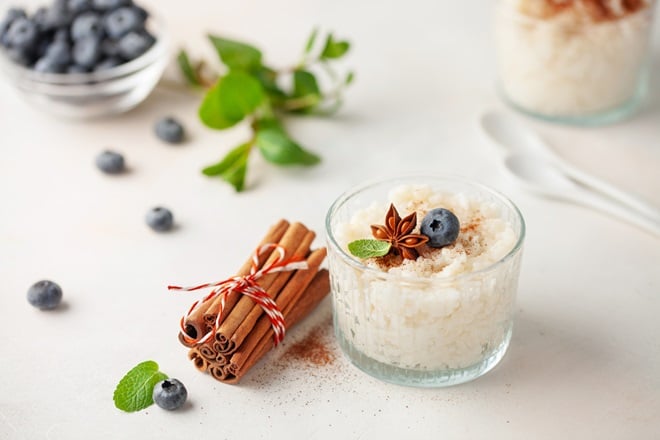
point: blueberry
(87, 51)
(109, 5)
(88, 24)
(109, 48)
(48, 65)
(78, 6)
(11, 15)
(61, 35)
(108, 63)
(74, 68)
(441, 226)
(59, 52)
(110, 162)
(22, 33)
(20, 56)
(44, 295)
(160, 219)
(122, 21)
(134, 44)
(170, 394)
(55, 17)
(169, 130)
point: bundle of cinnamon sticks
(245, 333)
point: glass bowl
(426, 330)
(94, 94)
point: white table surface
(584, 361)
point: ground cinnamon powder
(312, 349)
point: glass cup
(423, 331)
(580, 61)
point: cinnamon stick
(293, 313)
(281, 281)
(198, 360)
(196, 324)
(291, 292)
(292, 239)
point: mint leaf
(233, 167)
(134, 391)
(367, 248)
(334, 49)
(350, 76)
(234, 96)
(304, 83)
(276, 147)
(311, 40)
(268, 79)
(187, 69)
(236, 55)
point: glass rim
(409, 280)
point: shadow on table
(546, 353)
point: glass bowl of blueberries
(82, 58)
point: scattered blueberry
(441, 226)
(44, 295)
(122, 21)
(170, 394)
(87, 51)
(134, 44)
(108, 63)
(109, 5)
(160, 219)
(169, 130)
(22, 33)
(88, 24)
(110, 162)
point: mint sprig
(135, 389)
(252, 91)
(368, 248)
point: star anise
(397, 232)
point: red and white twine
(245, 285)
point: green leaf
(311, 40)
(234, 96)
(367, 248)
(350, 76)
(187, 69)
(233, 167)
(304, 84)
(134, 391)
(278, 148)
(268, 79)
(236, 55)
(334, 49)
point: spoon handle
(611, 191)
(608, 206)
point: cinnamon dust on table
(312, 349)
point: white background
(585, 355)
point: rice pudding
(444, 317)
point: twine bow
(245, 285)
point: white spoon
(514, 137)
(545, 179)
